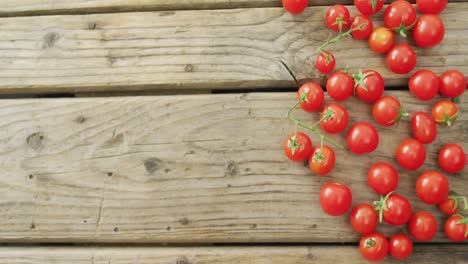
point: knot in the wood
(152, 164)
(92, 25)
(182, 260)
(34, 140)
(80, 119)
(189, 68)
(50, 39)
(184, 221)
(231, 168)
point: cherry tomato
(362, 138)
(322, 160)
(340, 86)
(424, 84)
(325, 62)
(456, 228)
(387, 111)
(453, 84)
(374, 247)
(432, 187)
(298, 147)
(422, 226)
(411, 154)
(400, 246)
(451, 204)
(445, 112)
(335, 198)
(381, 40)
(311, 96)
(428, 31)
(336, 15)
(370, 85)
(401, 58)
(295, 6)
(382, 178)
(400, 16)
(338, 118)
(431, 6)
(363, 219)
(423, 127)
(394, 209)
(369, 7)
(365, 26)
(452, 158)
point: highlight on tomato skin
(431, 6)
(423, 127)
(452, 84)
(362, 138)
(432, 187)
(456, 228)
(400, 246)
(335, 198)
(410, 154)
(424, 84)
(422, 226)
(337, 18)
(452, 158)
(295, 6)
(428, 31)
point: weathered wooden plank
(191, 50)
(214, 255)
(200, 168)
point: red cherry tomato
(456, 228)
(335, 198)
(445, 112)
(295, 6)
(394, 209)
(340, 86)
(452, 158)
(411, 154)
(338, 118)
(381, 40)
(423, 127)
(453, 84)
(362, 138)
(451, 204)
(401, 58)
(322, 160)
(431, 6)
(432, 187)
(387, 111)
(400, 16)
(400, 246)
(382, 178)
(325, 62)
(363, 219)
(422, 226)
(369, 7)
(424, 84)
(364, 25)
(428, 31)
(298, 147)
(374, 247)
(311, 96)
(370, 85)
(336, 15)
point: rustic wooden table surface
(150, 132)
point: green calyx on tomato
(401, 114)
(448, 120)
(340, 22)
(293, 144)
(303, 97)
(457, 199)
(403, 30)
(370, 242)
(463, 221)
(381, 205)
(359, 79)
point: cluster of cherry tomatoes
(432, 187)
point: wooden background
(164, 144)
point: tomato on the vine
(411, 154)
(401, 246)
(394, 209)
(445, 112)
(335, 118)
(400, 16)
(295, 6)
(322, 160)
(428, 31)
(451, 204)
(423, 127)
(362, 138)
(452, 83)
(452, 158)
(363, 26)
(335, 198)
(374, 247)
(337, 18)
(369, 85)
(369, 7)
(456, 228)
(422, 226)
(424, 84)
(298, 147)
(325, 62)
(363, 219)
(382, 178)
(340, 86)
(387, 111)
(432, 187)
(431, 6)
(381, 40)
(311, 97)
(401, 58)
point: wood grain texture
(213, 255)
(207, 49)
(179, 169)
